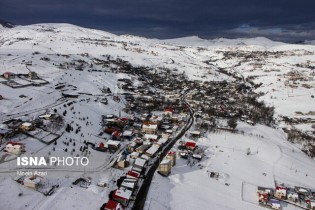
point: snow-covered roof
(153, 149)
(123, 193)
(162, 141)
(145, 157)
(195, 132)
(129, 183)
(27, 124)
(140, 162)
(112, 142)
(149, 126)
(32, 179)
(127, 133)
(150, 136)
(165, 161)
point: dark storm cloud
(284, 19)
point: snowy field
(272, 159)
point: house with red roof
(122, 196)
(190, 144)
(133, 175)
(281, 192)
(113, 205)
(9, 75)
(14, 148)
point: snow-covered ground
(52, 48)
(272, 159)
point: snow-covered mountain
(6, 24)
(75, 60)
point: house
(48, 116)
(5, 132)
(301, 191)
(165, 136)
(129, 184)
(133, 175)
(195, 133)
(151, 137)
(168, 111)
(264, 195)
(122, 163)
(113, 205)
(293, 196)
(27, 126)
(139, 165)
(190, 144)
(112, 145)
(142, 148)
(149, 128)
(101, 147)
(281, 192)
(134, 155)
(127, 134)
(116, 135)
(132, 146)
(172, 157)
(165, 167)
(162, 141)
(9, 75)
(14, 148)
(33, 75)
(32, 182)
(152, 150)
(122, 195)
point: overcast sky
(286, 20)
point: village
(297, 196)
(158, 119)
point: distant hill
(6, 24)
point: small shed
(33, 75)
(32, 182)
(165, 167)
(195, 133)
